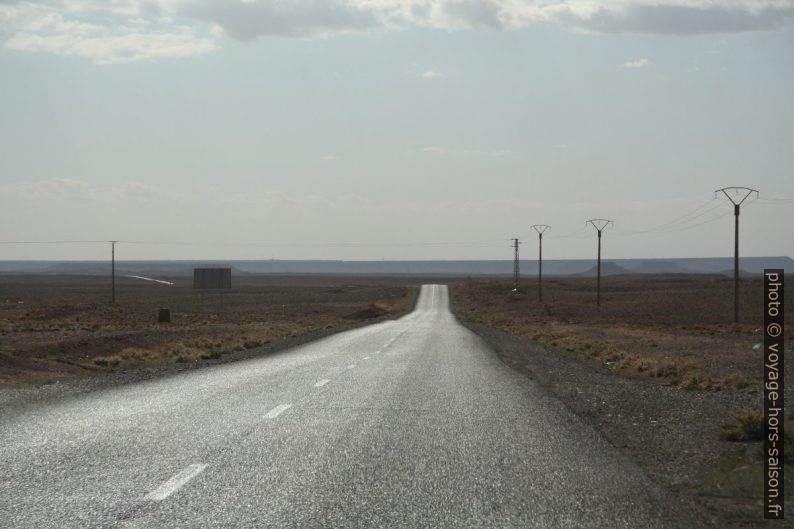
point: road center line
(278, 410)
(351, 366)
(321, 383)
(176, 482)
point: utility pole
(113, 271)
(540, 228)
(599, 225)
(740, 194)
(516, 273)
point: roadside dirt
(55, 328)
(669, 427)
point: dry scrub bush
(743, 425)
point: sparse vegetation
(66, 326)
(679, 336)
(744, 425)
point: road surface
(407, 423)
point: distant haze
(577, 267)
(394, 130)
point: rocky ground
(670, 427)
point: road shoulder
(670, 433)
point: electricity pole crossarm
(600, 225)
(740, 194)
(540, 228)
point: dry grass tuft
(742, 426)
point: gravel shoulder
(671, 433)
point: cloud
(246, 20)
(434, 149)
(639, 63)
(103, 32)
(432, 75)
(70, 190)
(680, 17)
(130, 30)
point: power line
(54, 242)
(683, 220)
(683, 227)
(481, 244)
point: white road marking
(366, 358)
(377, 352)
(321, 383)
(176, 482)
(278, 410)
(150, 279)
(351, 366)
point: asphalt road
(407, 423)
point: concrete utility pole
(599, 225)
(516, 272)
(113, 271)
(740, 194)
(540, 228)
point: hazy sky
(392, 125)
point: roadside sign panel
(212, 278)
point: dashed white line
(321, 383)
(176, 482)
(278, 410)
(351, 366)
(366, 358)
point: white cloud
(128, 30)
(434, 149)
(639, 63)
(106, 47)
(103, 32)
(430, 74)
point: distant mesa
(750, 266)
(660, 267)
(608, 268)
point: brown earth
(657, 369)
(59, 327)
